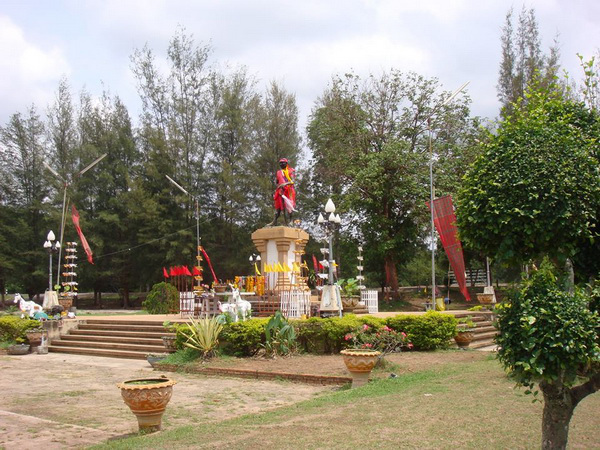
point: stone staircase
(484, 333)
(113, 338)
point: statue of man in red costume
(285, 195)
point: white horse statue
(237, 307)
(27, 306)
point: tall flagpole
(431, 190)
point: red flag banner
(172, 271)
(209, 265)
(186, 271)
(196, 271)
(445, 224)
(84, 242)
(165, 273)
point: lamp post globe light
(52, 246)
(331, 299)
(254, 260)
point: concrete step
(117, 339)
(122, 327)
(484, 336)
(98, 352)
(482, 344)
(127, 322)
(125, 334)
(110, 346)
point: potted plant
(147, 398)
(349, 293)
(368, 346)
(35, 336)
(464, 332)
(169, 340)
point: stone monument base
(284, 246)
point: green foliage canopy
(547, 334)
(536, 188)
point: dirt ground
(69, 401)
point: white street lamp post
(330, 298)
(51, 245)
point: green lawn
(458, 406)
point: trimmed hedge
(430, 331)
(13, 328)
(316, 335)
(243, 338)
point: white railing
(370, 300)
(294, 304)
(187, 304)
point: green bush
(431, 331)
(13, 328)
(243, 338)
(317, 335)
(162, 299)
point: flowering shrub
(384, 339)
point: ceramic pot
(169, 343)
(485, 299)
(463, 339)
(17, 349)
(360, 363)
(35, 337)
(147, 398)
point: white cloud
(30, 73)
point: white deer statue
(27, 306)
(237, 307)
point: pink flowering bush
(384, 339)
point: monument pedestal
(331, 301)
(282, 245)
(50, 299)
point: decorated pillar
(278, 248)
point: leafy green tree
(370, 147)
(535, 190)
(549, 337)
(534, 193)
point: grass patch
(182, 357)
(469, 405)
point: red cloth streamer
(172, 271)
(445, 223)
(186, 271)
(196, 271)
(315, 263)
(165, 273)
(84, 242)
(216, 280)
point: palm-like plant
(203, 335)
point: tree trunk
(391, 274)
(570, 281)
(558, 410)
(126, 297)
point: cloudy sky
(299, 43)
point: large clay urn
(359, 363)
(147, 398)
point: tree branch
(578, 393)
